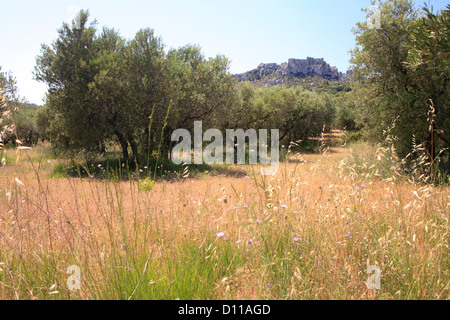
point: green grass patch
(191, 272)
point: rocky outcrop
(294, 67)
(346, 76)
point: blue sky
(248, 32)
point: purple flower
(284, 206)
(258, 221)
(295, 212)
(296, 239)
(220, 234)
(250, 241)
(239, 241)
(362, 186)
(245, 206)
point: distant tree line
(105, 89)
(17, 117)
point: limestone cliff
(295, 67)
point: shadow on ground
(121, 170)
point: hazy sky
(248, 32)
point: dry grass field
(309, 232)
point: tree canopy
(103, 88)
(402, 69)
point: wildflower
(296, 239)
(362, 186)
(220, 234)
(99, 165)
(238, 241)
(283, 146)
(140, 170)
(284, 206)
(245, 206)
(250, 241)
(295, 212)
(258, 221)
(349, 235)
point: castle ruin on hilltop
(297, 68)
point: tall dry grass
(309, 232)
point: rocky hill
(298, 68)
